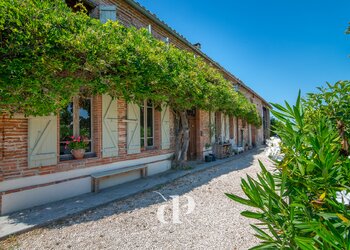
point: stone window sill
(149, 148)
(70, 157)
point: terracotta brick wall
(128, 16)
(14, 160)
(231, 127)
(13, 131)
(218, 125)
(2, 119)
(203, 132)
(14, 163)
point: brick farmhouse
(36, 168)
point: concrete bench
(97, 177)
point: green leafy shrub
(299, 204)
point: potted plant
(77, 145)
(208, 151)
(208, 158)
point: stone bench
(97, 177)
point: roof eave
(155, 19)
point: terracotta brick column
(203, 131)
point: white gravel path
(215, 223)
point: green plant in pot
(77, 145)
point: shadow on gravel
(182, 185)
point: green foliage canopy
(331, 101)
(50, 54)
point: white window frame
(76, 126)
(144, 136)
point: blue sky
(275, 47)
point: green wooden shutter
(108, 12)
(109, 126)
(42, 141)
(133, 129)
(165, 126)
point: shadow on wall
(130, 203)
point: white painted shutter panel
(108, 12)
(165, 124)
(250, 134)
(235, 129)
(42, 141)
(109, 126)
(227, 127)
(223, 127)
(133, 129)
(212, 126)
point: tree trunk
(182, 139)
(344, 139)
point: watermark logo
(176, 208)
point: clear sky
(275, 47)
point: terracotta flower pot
(78, 153)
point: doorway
(253, 136)
(242, 138)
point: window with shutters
(76, 120)
(77, 5)
(147, 125)
(107, 12)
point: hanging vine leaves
(50, 54)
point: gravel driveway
(215, 222)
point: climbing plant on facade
(50, 54)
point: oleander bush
(303, 203)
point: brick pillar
(122, 127)
(97, 124)
(203, 132)
(231, 127)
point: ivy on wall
(50, 54)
